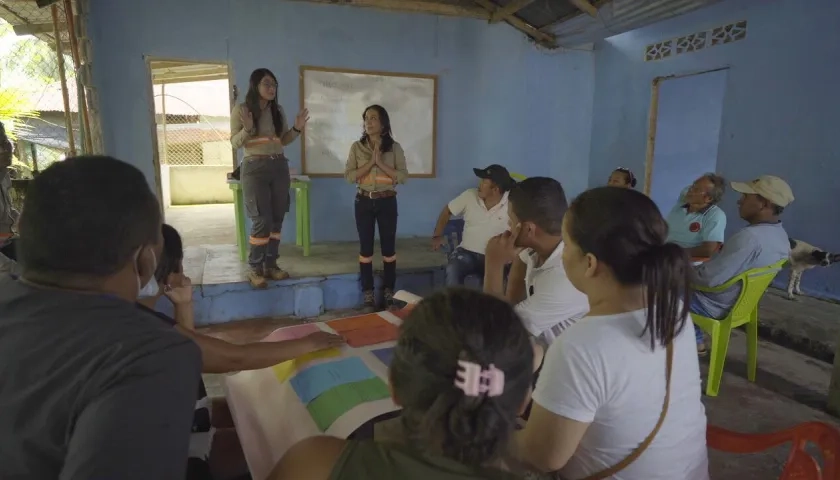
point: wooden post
(71, 140)
(34, 152)
(77, 60)
(833, 406)
(653, 111)
(163, 123)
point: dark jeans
(265, 188)
(463, 263)
(370, 213)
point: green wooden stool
(241, 225)
(302, 232)
(301, 188)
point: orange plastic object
(800, 464)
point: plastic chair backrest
(800, 465)
(454, 233)
(754, 283)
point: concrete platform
(807, 325)
(326, 280)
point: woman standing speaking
(376, 163)
(259, 125)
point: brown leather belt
(376, 195)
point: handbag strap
(635, 454)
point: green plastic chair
(753, 285)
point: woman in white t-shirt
(598, 404)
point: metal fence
(32, 101)
(193, 140)
(192, 129)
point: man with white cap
(760, 244)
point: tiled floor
(204, 224)
(741, 405)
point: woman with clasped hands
(376, 164)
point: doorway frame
(653, 112)
(150, 90)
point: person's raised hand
(178, 289)
(247, 118)
(502, 249)
(301, 119)
(323, 340)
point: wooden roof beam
(545, 39)
(509, 9)
(37, 28)
(586, 7)
(413, 6)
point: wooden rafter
(509, 9)
(543, 38)
(586, 7)
(37, 28)
(413, 6)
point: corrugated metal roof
(619, 16)
(541, 13)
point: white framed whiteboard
(337, 98)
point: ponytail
(666, 276)
(444, 411)
(473, 430)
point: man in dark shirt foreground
(91, 387)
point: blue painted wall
(781, 109)
(501, 100)
(687, 133)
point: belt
(376, 195)
(262, 157)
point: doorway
(191, 103)
(685, 119)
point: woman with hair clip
(376, 164)
(214, 445)
(260, 127)
(622, 177)
(619, 393)
(461, 372)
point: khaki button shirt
(263, 140)
(375, 180)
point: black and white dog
(805, 257)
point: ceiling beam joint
(547, 40)
(508, 10)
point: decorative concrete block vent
(696, 41)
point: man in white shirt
(538, 286)
(484, 210)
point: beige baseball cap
(774, 189)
